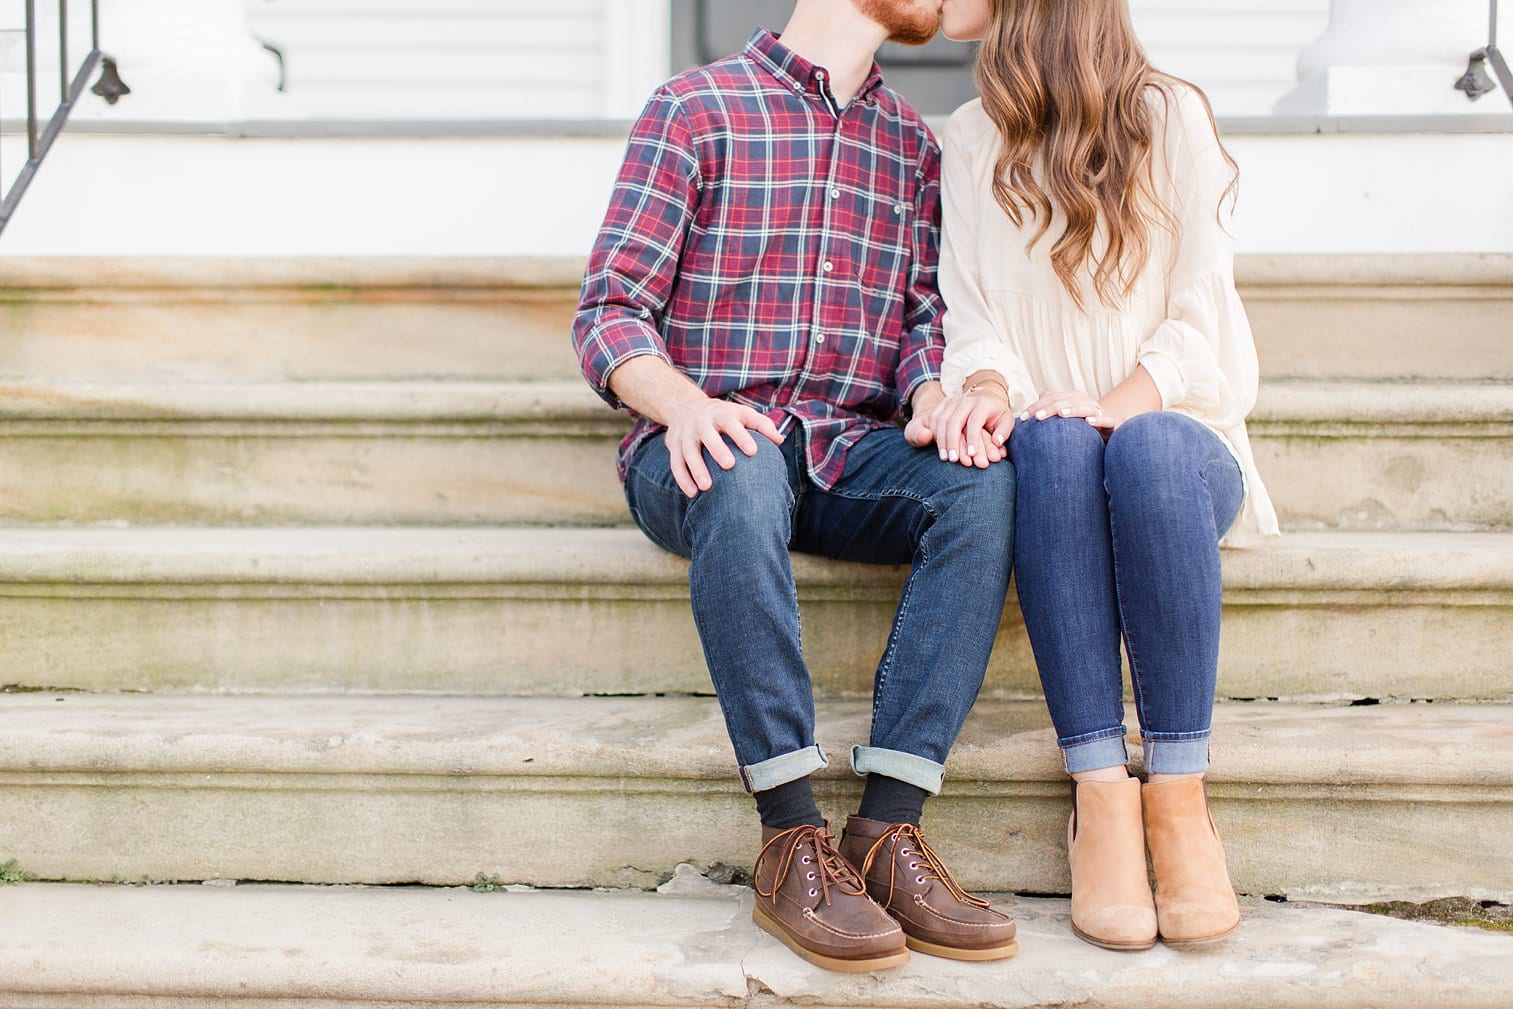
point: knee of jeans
(1055, 441)
(980, 501)
(753, 492)
(1149, 449)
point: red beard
(905, 20)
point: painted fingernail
(971, 450)
(1040, 415)
(1025, 415)
(998, 438)
(1066, 411)
(952, 455)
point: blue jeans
(895, 504)
(1122, 540)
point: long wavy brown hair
(1069, 89)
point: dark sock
(789, 805)
(889, 800)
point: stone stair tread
(198, 947)
(334, 275)
(365, 555)
(1361, 803)
(1281, 401)
(394, 401)
(1464, 746)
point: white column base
(1426, 90)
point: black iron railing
(39, 134)
(1476, 82)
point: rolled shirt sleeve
(634, 263)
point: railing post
(1389, 57)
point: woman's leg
(1064, 572)
(1173, 491)
(1064, 569)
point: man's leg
(954, 525)
(897, 504)
(744, 603)
(746, 609)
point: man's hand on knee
(698, 425)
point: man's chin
(915, 38)
(905, 26)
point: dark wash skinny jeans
(1122, 539)
(895, 504)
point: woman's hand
(969, 429)
(1073, 403)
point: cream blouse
(1007, 311)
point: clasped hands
(973, 428)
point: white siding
(440, 59)
(545, 59)
(1243, 53)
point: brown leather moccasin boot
(815, 903)
(911, 883)
(1195, 901)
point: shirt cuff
(1167, 375)
(611, 345)
(918, 368)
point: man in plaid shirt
(762, 298)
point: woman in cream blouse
(1094, 337)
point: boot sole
(1118, 947)
(765, 922)
(1207, 940)
(956, 953)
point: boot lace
(929, 865)
(830, 869)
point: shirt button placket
(827, 266)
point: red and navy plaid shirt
(777, 249)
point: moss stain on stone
(1457, 911)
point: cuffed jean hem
(1176, 756)
(909, 768)
(1108, 749)
(783, 768)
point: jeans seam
(1129, 647)
(885, 666)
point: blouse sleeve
(973, 343)
(1202, 357)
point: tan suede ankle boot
(1195, 901)
(1111, 893)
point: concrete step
(441, 453)
(1410, 801)
(1350, 455)
(374, 318)
(592, 611)
(74, 947)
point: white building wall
(466, 59)
(544, 59)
